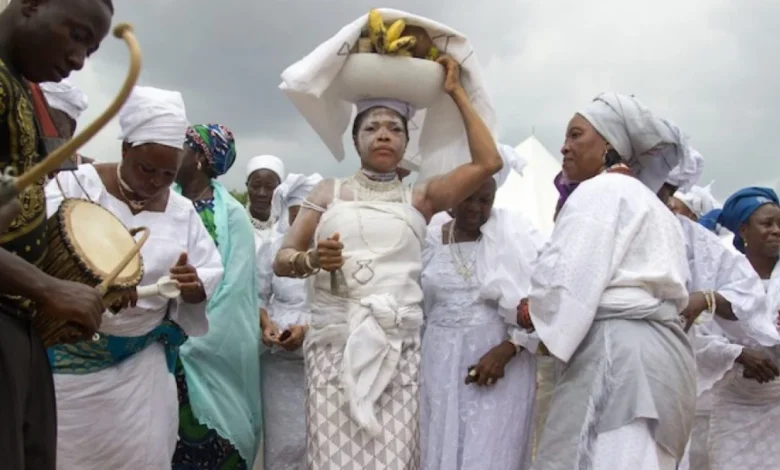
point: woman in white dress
(117, 404)
(283, 320)
(477, 386)
(605, 297)
(745, 420)
(725, 295)
(264, 173)
(362, 351)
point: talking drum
(90, 245)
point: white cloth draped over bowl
(437, 137)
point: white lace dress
(283, 382)
(745, 422)
(468, 427)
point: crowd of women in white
(395, 339)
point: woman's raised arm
(446, 191)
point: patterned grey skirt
(335, 441)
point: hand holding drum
(72, 302)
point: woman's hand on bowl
(452, 78)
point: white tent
(533, 193)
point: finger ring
(473, 373)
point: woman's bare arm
(301, 234)
(447, 191)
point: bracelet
(307, 262)
(709, 298)
(294, 271)
(713, 303)
(291, 264)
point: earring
(200, 165)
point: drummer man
(40, 40)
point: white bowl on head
(367, 75)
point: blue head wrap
(740, 206)
(216, 142)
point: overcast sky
(709, 65)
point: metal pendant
(364, 273)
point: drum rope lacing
(78, 182)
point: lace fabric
(465, 426)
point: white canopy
(533, 193)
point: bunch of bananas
(389, 40)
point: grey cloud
(226, 57)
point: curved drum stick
(10, 186)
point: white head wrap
(154, 116)
(513, 161)
(291, 193)
(65, 97)
(699, 199)
(691, 166)
(266, 162)
(649, 145)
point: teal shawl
(223, 367)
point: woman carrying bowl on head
(366, 232)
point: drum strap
(42, 116)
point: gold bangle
(307, 262)
(301, 273)
(291, 263)
(294, 271)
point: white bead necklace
(464, 264)
(366, 189)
